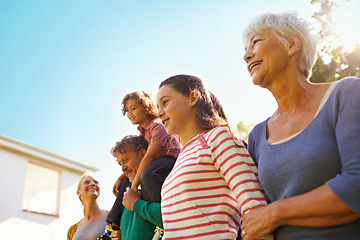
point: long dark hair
(209, 111)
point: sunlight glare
(346, 17)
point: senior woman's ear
(295, 43)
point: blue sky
(65, 66)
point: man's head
(129, 152)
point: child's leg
(118, 208)
(154, 176)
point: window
(41, 190)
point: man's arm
(151, 211)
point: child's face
(135, 111)
(174, 109)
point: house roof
(19, 146)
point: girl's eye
(165, 102)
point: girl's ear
(295, 43)
(194, 97)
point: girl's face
(174, 109)
(265, 57)
(88, 187)
(135, 111)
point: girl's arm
(240, 173)
(238, 169)
(317, 208)
(149, 156)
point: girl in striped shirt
(214, 180)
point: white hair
(284, 25)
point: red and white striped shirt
(214, 181)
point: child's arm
(239, 171)
(149, 156)
(118, 183)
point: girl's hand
(257, 223)
(116, 235)
(130, 197)
(135, 184)
(135, 189)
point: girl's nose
(160, 113)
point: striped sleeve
(212, 183)
(235, 165)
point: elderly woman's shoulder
(259, 128)
(348, 83)
(349, 80)
(347, 87)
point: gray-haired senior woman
(308, 151)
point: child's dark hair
(130, 143)
(209, 111)
(144, 99)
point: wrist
(135, 183)
(138, 204)
(276, 214)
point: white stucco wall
(14, 222)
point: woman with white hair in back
(307, 151)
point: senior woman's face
(265, 57)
